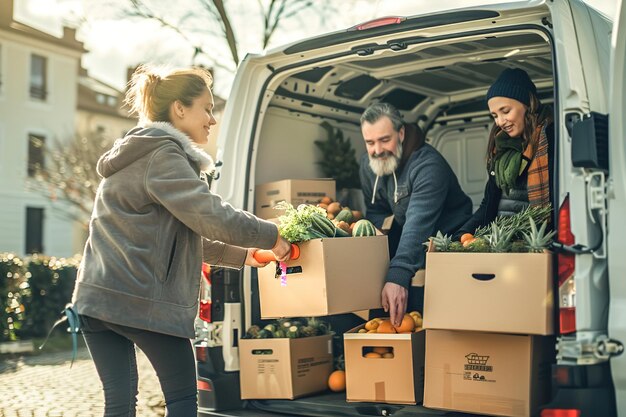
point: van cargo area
(436, 70)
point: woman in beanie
(519, 150)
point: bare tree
(68, 174)
(193, 24)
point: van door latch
(606, 348)
(546, 22)
(364, 51)
(596, 203)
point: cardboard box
(295, 192)
(397, 380)
(491, 292)
(331, 276)
(487, 373)
(284, 368)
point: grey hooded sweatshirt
(142, 260)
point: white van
(435, 69)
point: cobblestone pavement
(45, 386)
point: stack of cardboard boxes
(489, 318)
(331, 276)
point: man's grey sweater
(428, 198)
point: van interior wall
(463, 145)
(287, 149)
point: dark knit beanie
(513, 83)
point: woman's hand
(282, 249)
(251, 261)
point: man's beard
(388, 165)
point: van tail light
(567, 266)
(204, 386)
(554, 412)
(205, 302)
(383, 21)
(202, 353)
(205, 310)
(206, 272)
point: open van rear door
(617, 207)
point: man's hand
(394, 300)
(282, 249)
(250, 261)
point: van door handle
(483, 277)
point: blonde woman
(154, 219)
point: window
(38, 76)
(34, 230)
(35, 153)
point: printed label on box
(306, 365)
(476, 366)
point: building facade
(45, 99)
(38, 85)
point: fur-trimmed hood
(143, 140)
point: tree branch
(228, 30)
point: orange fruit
(385, 326)
(468, 242)
(334, 208)
(417, 318)
(407, 324)
(337, 381)
(326, 200)
(466, 236)
(371, 325)
(373, 355)
(381, 349)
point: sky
(115, 43)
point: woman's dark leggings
(112, 348)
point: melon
(363, 228)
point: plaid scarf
(538, 174)
(538, 181)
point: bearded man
(409, 189)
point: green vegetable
(364, 228)
(295, 224)
(305, 223)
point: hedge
(33, 292)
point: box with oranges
(385, 363)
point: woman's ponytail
(150, 93)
